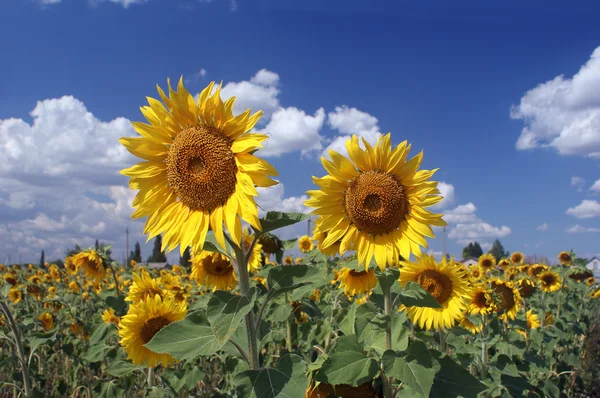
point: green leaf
(110, 390)
(506, 366)
(413, 295)
(226, 311)
(302, 279)
(117, 303)
(288, 379)
(346, 343)
(211, 245)
(187, 339)
(387, 278)
(399, 335)
(347, 325)
(288, 244)
(276, 219)
(96, 353)
(100, 333)
(516, 386)
(121, 367)
(413, 367)
(347, 368)
(452, 380)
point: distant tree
(185, 260)
(96, 245)
(497, 250)
(42, 259)
(136, 253)
(60, 263)
(473, 249)
(157, 256)
(448, 257)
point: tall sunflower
(516, 258)
(213, 270)
(444, 281)
(144, 286)
(481, 301)
(91, 263)
(143, 320)
(526, 287)
(509, 298)
(198, 169)
(549, 281)
(487, 261)
(376, 201)
(565, 259)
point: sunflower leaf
(413, 295)
(303, 279)
(413, 367)
(349, 367)
(276, 219)
(387, 278)
(226, 311)
(452, 380)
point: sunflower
(255, 260)
(516, 258)
(487, 262)
(144, 286)
(590, 281)
(74, 286)
(288, 260)
(509, 298)
(109, 316)
(511, 272)
(503, 263)
(481, 301)
(356, 282)
(533, 321)
(320, 236)
(524, 268)
(143, 320)
(70, 266)
(198, 169)
(579, 274)
(213, 270)
(596, 294)
(299, 260)
(47, 321)
(11, 279)
(91, 263)
(536, 269)
(565, 259)
(526, 287)
(260, 280)
(305, 244)
(549, 281)
(476, 272)
(445, 283)
(470, 326)
(15, 295)
(315, 296)
(324, 390)
(34, 291)
(375, 201)
(36, 280)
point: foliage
(497, 250)
(472, 250)
(157, 256)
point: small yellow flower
(109, 316)
(533, 321)
(305, 244)
(315, 296)
(288, 260)
(47, 321)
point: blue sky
(461, 82)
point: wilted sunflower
(481, 301)
(376, 201)
(15, 295)
(47, 321)
(109, 316)
(579, 274)
(549, 281)
(213, 270)
(305, 244)
(470, 326)
(91, 263)
(526, 287)
(516, 258)
(356, 282)
(509, 298)
(565, 259)
(143, 320)
(198, 170)
(487, 262)
(255, 259)
(533, 321)
(143, 286)
(444, 281)
(503, 263)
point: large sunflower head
(565, 259)
(376, 201)
(509, 298)
(198, 169)
(356, 282)
(144, 286)
(15, 294)
(516, 258)
(305, 244)
(487, 262)
(503, 263)
(533, 320)
(481, 301)
(143, 320)
(319, 236)
(213, 270)
(444, 281)
(526, 287)
(536, 269)
(549, 281)
(10, 278)
(91, 263)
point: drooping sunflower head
(270, 243)
(549, 281)
(15, 294)
(516, 258)
(503, 263)
(356, 282)
(444, 281)
(213, 270)
(533, 320)
(109, 317)
(487, 261)
(509, 299)
(144, 286)
(536, 269)
(481, 301)
(198, 170)
(47, 321)
(141, 323)
(579, 274)
(255, 259)
(590, 281)
(526, 287)
(565, 259)
(91, 263)
(376, 201)
(305, 244)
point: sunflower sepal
(274, 220)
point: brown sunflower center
(201, 168)
(565, 257)
(507, 297)
(437, 284)
(480, 300)
(516, 258)
(486, 263)
(152, 326)
(548, 279)
(217, 266)
(376, 202)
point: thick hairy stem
(442, 333)
(150, 377)
(288, 327)
(20, 351)
(387, 305)
(484, 353)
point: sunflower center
(201, 168)
(152, 326)
(548, 279)
(507, 297)
(218, 266)
(376, 202)
(486, 263)
(480, 300)
(437, 284)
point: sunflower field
(363, 312)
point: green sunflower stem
(16, 331)
(150, 377)
(387, 305)
(114, 274)
(442, 333)
(288, 326)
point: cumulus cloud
(563, 113)
(596, 186)
(577, 182)
(544, 227)
(586, 209)
(467, 227)
(350, 121)
(580, 229)
(260, 92)
(447, 191)
(272, 198)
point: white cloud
(586, 209)
(563, 113)
(261, 92)
(44, 2)
(272, 198)
(596, 186)
(478, 230)
(447, 191)
(194, 77)
(350, 121)
(127, 3)
(544, 227)
(461, 214)
(580, 229)
(577, 182)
